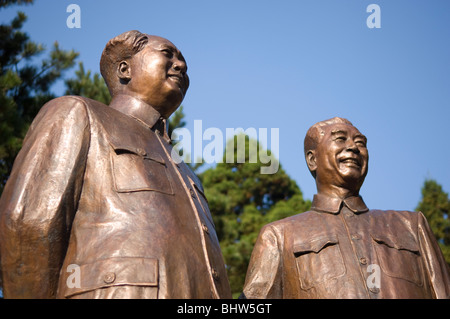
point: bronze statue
(94, 192)
(340, 248)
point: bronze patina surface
(340, 248)
(95, 190)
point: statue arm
(40, 199)
(437, 269)
(264, 271)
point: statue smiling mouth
(178, 78)
(350, 161)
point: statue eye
(361, 143)
(168, 53)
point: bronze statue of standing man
(340, 248)
(95, 207)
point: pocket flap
(315, 245)
(397, 242)
(140, 151)
(136, 170)
(116, 271)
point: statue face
(342, 157)
(158, 75)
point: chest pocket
(135, 170)
(399, 257)
(318, 260)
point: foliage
(6, 3)
(435, 205)
(242, 200)
(83, 85)
(24, 85)
(176, 121)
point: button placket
(362, 253)
(199, 214)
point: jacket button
(363, 260)
(205, 228)
(215, 274)
(109, 278)
(141, 151)
(192, 192)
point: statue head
(146, 67)
(337, 156)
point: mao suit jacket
(341, 249)
(95, 207)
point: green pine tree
(6, 3)
(435, 205)
(242, 200)
(91, 87)
(24, 85)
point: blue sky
(290, 64)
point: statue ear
(311, 160)
(124, 71)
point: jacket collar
(142, 112)
(333, 205)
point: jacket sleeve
(437, 269)
(263, 280)
(40, 199)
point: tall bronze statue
(95, 206)
(340, 248)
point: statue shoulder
(63, 105)
(68, 102)
(62, 112)
(70, 107)
(298, 221)
(405, 216)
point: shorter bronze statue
(340, 248)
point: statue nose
(179, 66)
(351, 146)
